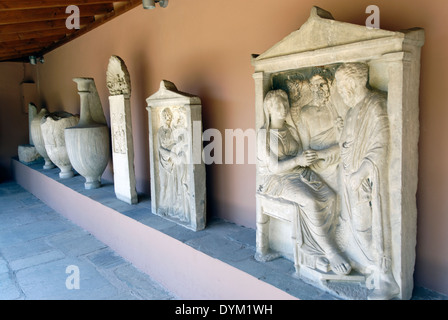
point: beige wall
(204, 47)
(13, 118)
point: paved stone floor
(41, 253)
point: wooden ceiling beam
(36, 4)
(35, 34)
(33, 15)
(43, 41)
(40, 25)
(103, 19)
(22, 36)
(14, 54)
(31, 46)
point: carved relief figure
(166, 161)
(319, 128)
(364, 175)
(298, 93)
(284, 173)
(181, 149)
(173, 150)
(119, 134)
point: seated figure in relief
(284, 173)
(364, 176)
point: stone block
(28, 154)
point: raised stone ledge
(214, 263)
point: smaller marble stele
(175, 139)
(28, 153)
(119, 85)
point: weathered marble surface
(337, 113)
(119, 85)
(32, 112)
(177, 183)
(52, 127)
(27, 153)
(38, 140)
(118, 80)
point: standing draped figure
(364, 176)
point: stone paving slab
(36, 260)
(8, 288)
(106, 259)
(38, 247)
(48, 281)
(76, 242)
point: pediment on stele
(322, 31)
(168, 94)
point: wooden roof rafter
(36, 27)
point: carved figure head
(294, 89)
(351, 81)
(166, 116)
(276, 106)
(179, 120)
(320, 89)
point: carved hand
(306, 158)
(359, 176)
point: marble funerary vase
(52, 126)
(38, 140)
(88, 143)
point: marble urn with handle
(88, 143)
(52, 126)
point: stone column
(122, 149)
(119, 85)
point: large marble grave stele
(178, 190)
(119, 85)
(337, 116)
